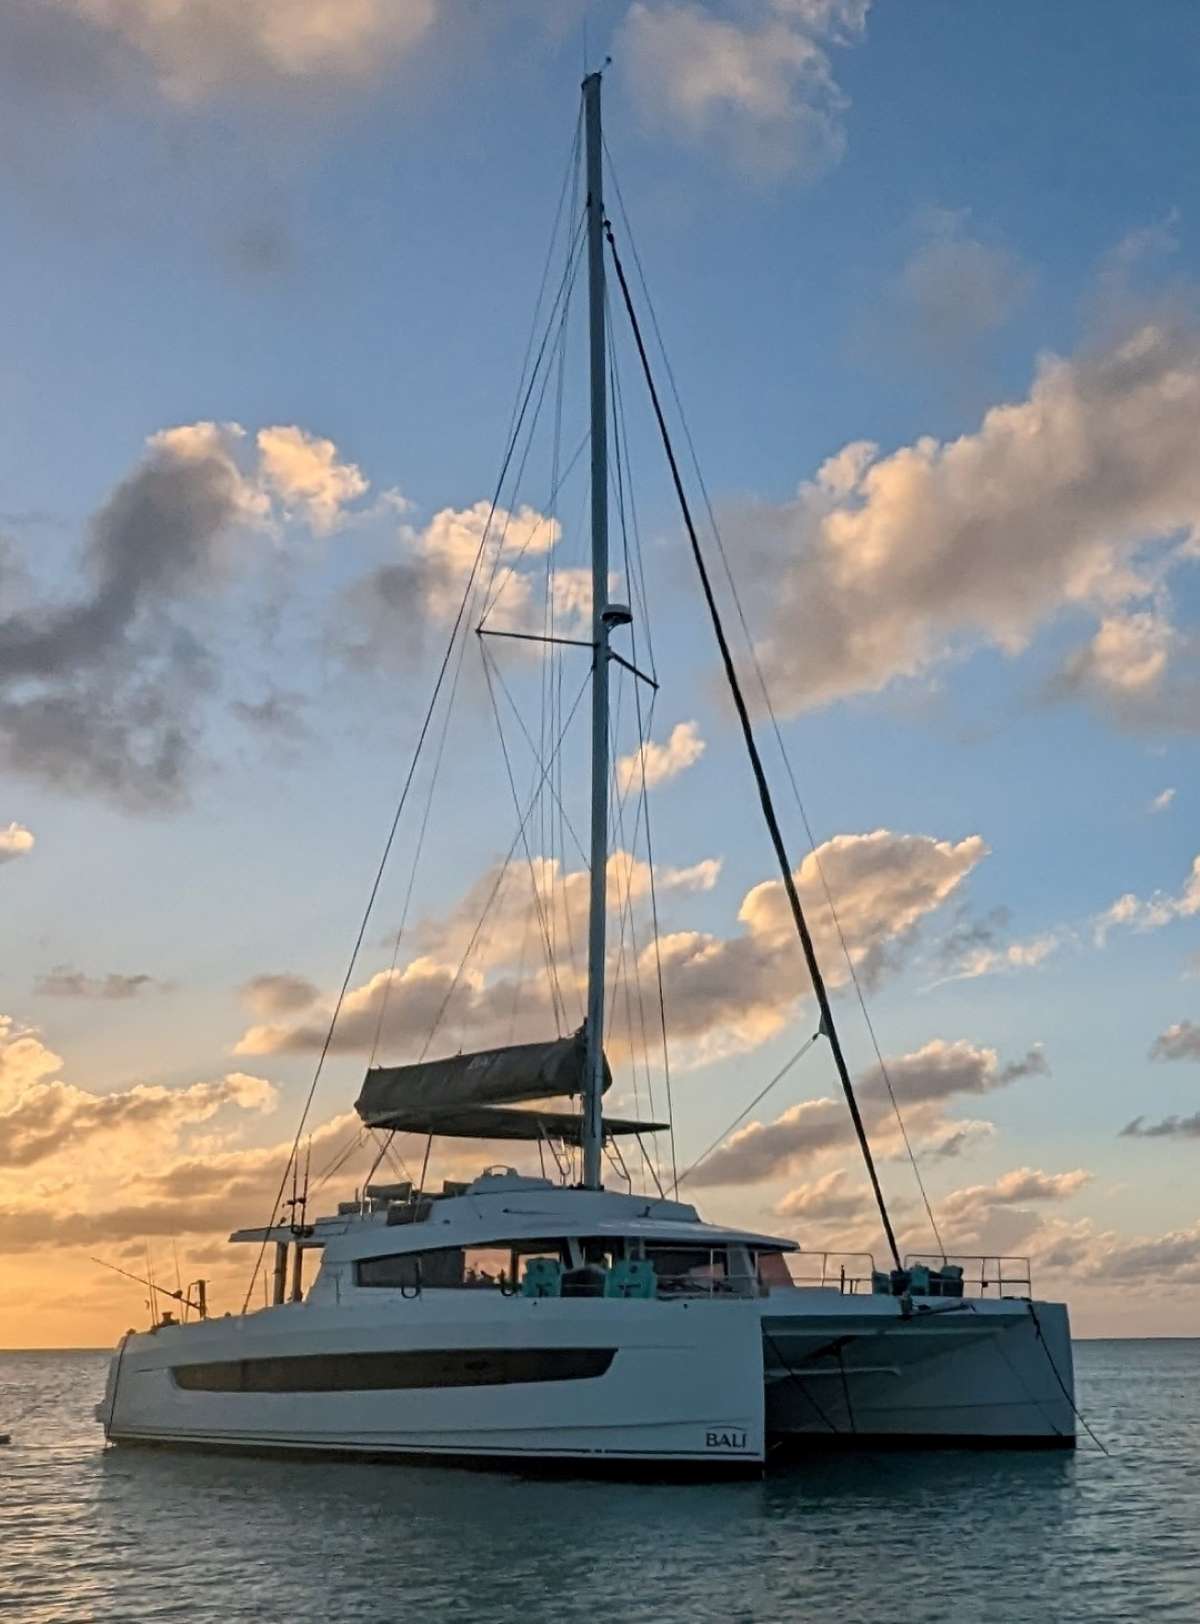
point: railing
(1003, 1276)
(847, 1272)
(706, 1285)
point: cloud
(831, 1198)
(928, 1077)
(63, 982)
(723, 994)
(304, 470)
(1011, 1189)
(885, 566)
(42, 1118)
(761, 90)
(201, 50)
(976, 947)
(15, 841)
(955, 288)
(1171, 1127)
(1124, 669)
(384, 612)
(728, 994)
(482, 1005)
(106, 692)
(662, 762)
(278, 994)
(1151, 913)
(1178, 1042)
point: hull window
(374, 1372)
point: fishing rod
(201, 1306)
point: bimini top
(467, 1096)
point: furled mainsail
(464, 1095)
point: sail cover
(415, 1098)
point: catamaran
(522, 1318)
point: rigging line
(627, 915)
(565, 292)
(391, 835)
(539, 759)
(550, 669)
(493, 597)
(462, 964)
(764, 793)
(742, 1115)
(551, 970)
(544, 921)
(340, 1157)
(636, 584)
(571, 171)
(770, 708)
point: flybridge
(470, 1096)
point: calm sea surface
(88, 1533)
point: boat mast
(592, 1130)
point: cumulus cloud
(278, 994)
(831, 1198)
(1074, 498)
(491, 1000)
(15, 841)
(759, 88)
(723, 994)
(662, 762)
(386, 610)
(106, 691)
(927, 1078)
(1124, 668)
(305, 472)
(728, 994)
(1011, 1189)
(63, 982)
(196, 51)
(1178, 1042)
(42, 1117)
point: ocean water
(88, 1533)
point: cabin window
(688, 1268)
(773, 1269)
(492, 1267)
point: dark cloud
(276, 713)
(278, 994)
(1178, 1042)
(63, 982)
(101, 693)
(1171, 1127)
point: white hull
(973, 1373)
(684, 1384)
(707, 1383)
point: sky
(926, 280)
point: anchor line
(1066, 1392)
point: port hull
(980, 1374)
